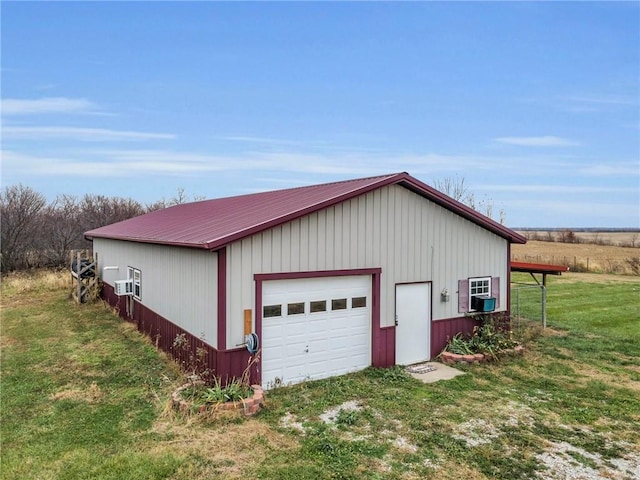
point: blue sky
(535, 105)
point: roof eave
(201, 246)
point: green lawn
(84, 396)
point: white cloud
(126, 162)
(122, 163)
(604, 100)
(80, 134)
(553, 189)
(544, 141)
(17, 106)
(620, 169)
(114, 164)
(263, 140)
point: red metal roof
(538, 268)
(211, 224)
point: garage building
(331, 278)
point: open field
(579, 256)
(625, 239)
(85, 396)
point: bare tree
(456, 188)
(98, 210)
(36, 234)
(20, 210)
(180, 198)
(62, 229)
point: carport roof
(538, 268)
(211, 224)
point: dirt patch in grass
(330, 416)
(227, 451)
(454, 471)
(12, 300)
(65, 367)
(6, 341)
(587, 373)
(569, 462)
(552, 332)
(91, 394)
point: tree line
(36, 233)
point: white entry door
(413, 323)
(315, 328)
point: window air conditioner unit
(483, 304)
(123, 287)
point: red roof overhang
(538, 268)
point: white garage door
(315, 328)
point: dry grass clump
(35, 280)
(91, 394)
(229, 449)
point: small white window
(478, 287)
(135, 275)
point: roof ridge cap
(300, 187)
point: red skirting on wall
(443, 330)
(385, 354)
(189, 351)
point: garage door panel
(361, 333)
(340, 343)
(316, 365)
(275, 352)
(297, 335)
(320, 344)
(317, 325)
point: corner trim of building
(222, 299)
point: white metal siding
(180, 284)
(409, 237)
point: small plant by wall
(206, 393)
(197, 397)
(489, 340)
